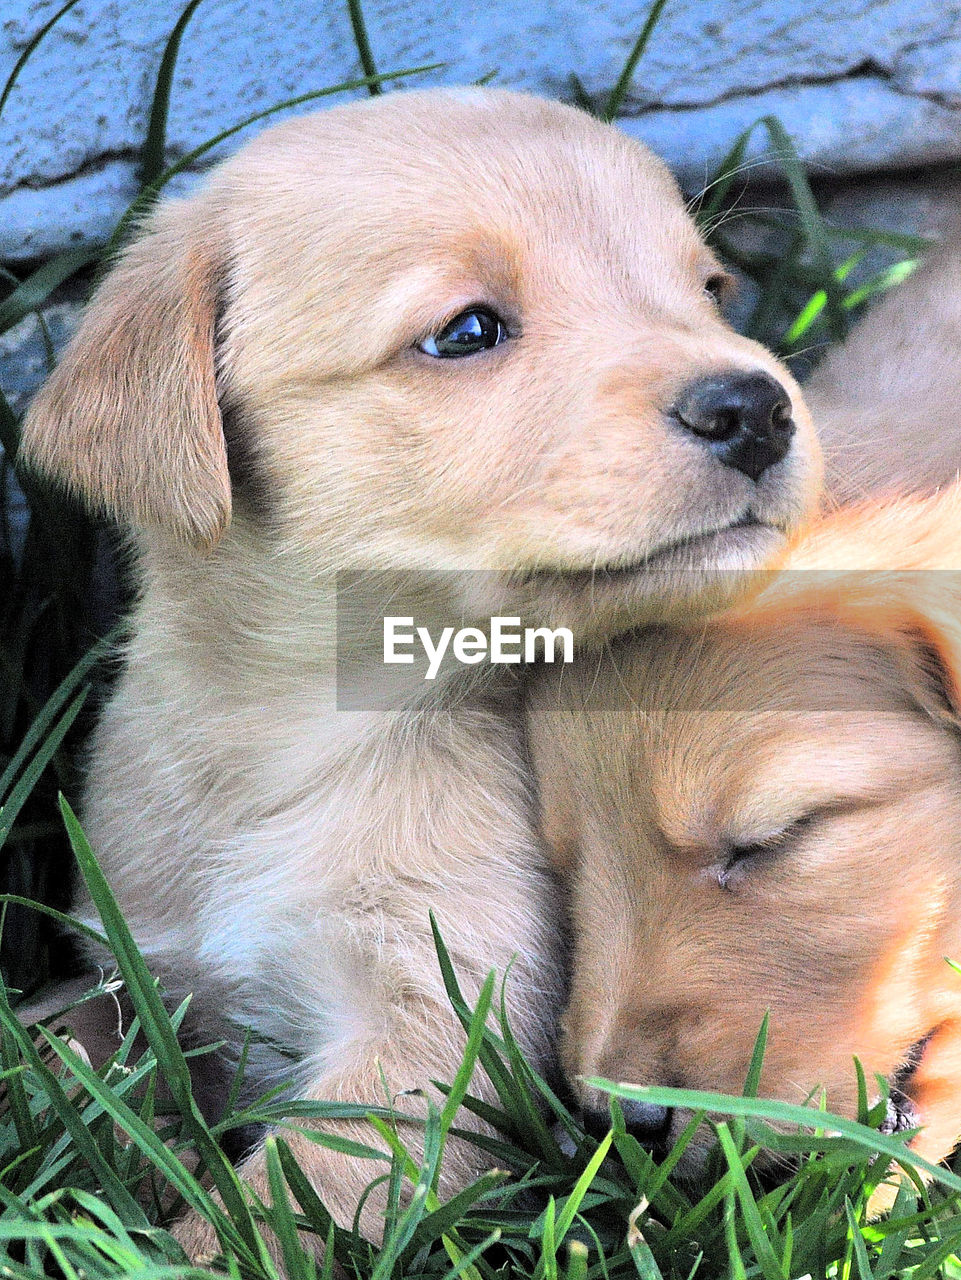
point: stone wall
(861, 85)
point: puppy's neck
(250, 626)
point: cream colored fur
(276, 857)
(886, 400)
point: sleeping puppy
(428, 335)
(763, 813)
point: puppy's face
(457, 330)
(762, 816)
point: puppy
(762, 814)
(466, 339)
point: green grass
(91, 1172)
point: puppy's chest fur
(283, 873)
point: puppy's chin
(691, 578)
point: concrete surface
(860, 85)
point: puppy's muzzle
(745, 418)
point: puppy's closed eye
(739, 856)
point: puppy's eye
(777, 842)
(719, 287)
(476, 329)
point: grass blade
(28, 50)
(157, 1026)
(51, 707)
(529, 1119)
(935, 1260)
(547, 1265)
(466, 1264)
(281, 1220)
(615, 98)
(421, 1197)
(444, 1219)
(16, 1096)
(812, 223)
(492, 1048)
(818, 302)
(889, 278)
(708, 207)
(577, 1253)
(69, 922)
(763, 1250)
(573, 1203)
(782, 1113)
(475, 1037)
(364, 52)
(753, 1079)
(644, 1261)
(31, 774)
(154, 149)
(862, 1265)
(312, 1206)
(38, 286)
(579, 95)
(147, 1140)
(67, 1112)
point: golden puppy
(763, 813)
(430, 334)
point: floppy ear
(893, 569)
(129, 420)
(931, 628)
(917, 615)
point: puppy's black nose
(647, 1121)
(744, 417)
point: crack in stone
(95, 164)
(947, 98)
(92, 164)
(867, 69)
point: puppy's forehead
(748, 667)
(437, 169)
(744, 722)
